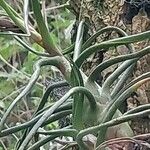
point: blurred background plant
(16, 65)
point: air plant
(94, 108)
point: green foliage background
(16, 65)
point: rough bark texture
(100, 13)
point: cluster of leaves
(93, 108)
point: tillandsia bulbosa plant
(94, 109)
